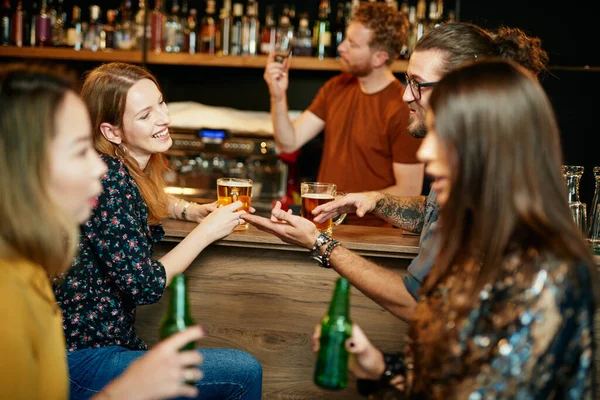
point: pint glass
(313, 195)
(230, 190)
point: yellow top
(33, 360)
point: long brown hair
(105, 93)
(507, 196)
(33, 227)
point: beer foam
(318, 196)
(235, 184)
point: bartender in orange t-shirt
(367, 145)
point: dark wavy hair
(389, 28)
(461, 42)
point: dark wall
(569, 34)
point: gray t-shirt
(428, 245)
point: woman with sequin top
(507, 311)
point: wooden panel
(70, 54)
(268, 302)
(366, 240)
(300, 63)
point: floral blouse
(113, 271)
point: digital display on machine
(218, 134)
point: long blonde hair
(105, 93)
(32, 227)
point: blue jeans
(228, 373)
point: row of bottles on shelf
(231, 32)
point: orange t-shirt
(364, 134)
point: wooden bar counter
(253, 292)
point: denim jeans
(228, 373)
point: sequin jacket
(525, 339)
(113, 271)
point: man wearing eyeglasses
(367, 145)
(435, 54)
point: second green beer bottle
(177, 317)
(331, 370)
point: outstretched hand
(357, 203)
(286, 226)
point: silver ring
(240, 221)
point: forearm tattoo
(405, 212)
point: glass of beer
(230, 190)
(313, 195)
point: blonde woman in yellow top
(49, 179)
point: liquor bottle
(267, 37)
(173, 30)
(225, 24)
(93, 38)
(190, 32)
(331, 370)
(5, 24)
(110, 29)
(59, 34)
(282, 39)
(208, 30)
(125, 31)
(303, 43)
(142, 27)
(236, 29)
(183, 22)
(251, 30)
(157, 27)
(293, 23)
(19, 26)
(75, 30)
(340, 28)
(322, 32)
(420, 25)
(32, 34)
(178, 317)
(43, 29)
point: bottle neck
(573, 187)
(340, 303)
(179, 306)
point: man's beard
(357, 70)
(416, 127)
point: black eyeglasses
(415, 87)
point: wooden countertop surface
(365, 240)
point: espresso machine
(199, 157)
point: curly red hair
(389, 27)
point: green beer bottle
(332, 361)
(177, 317)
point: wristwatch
(315, 253)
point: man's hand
(357, 203)
(286, 226)
(276, 76)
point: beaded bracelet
(328, 251)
